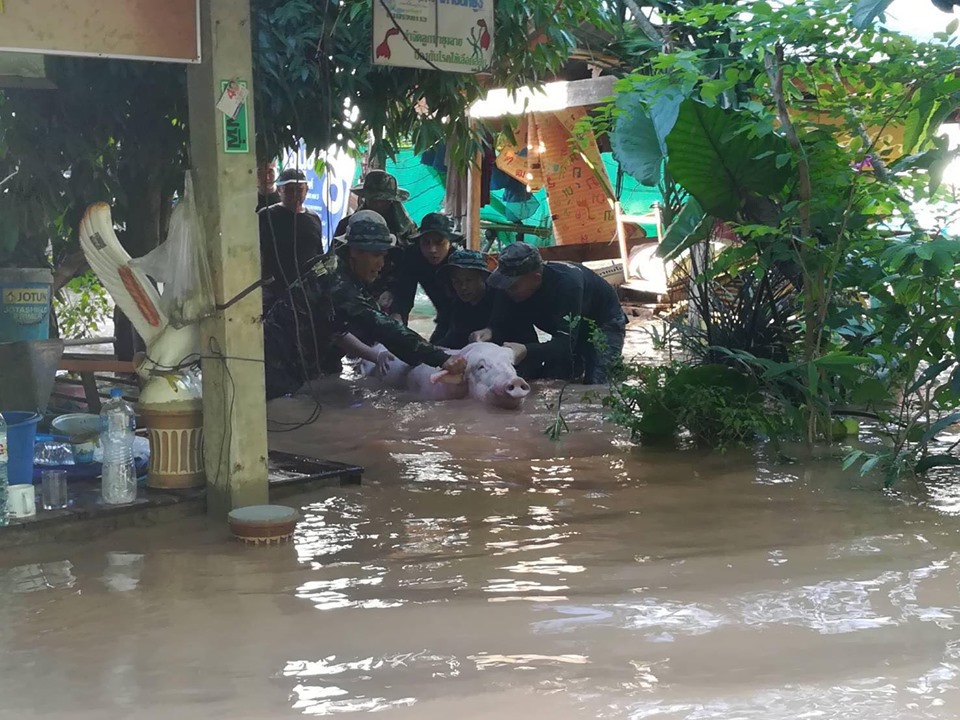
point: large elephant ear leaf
(639, 137)
(715, 159)
(690, 226)
(634, 141)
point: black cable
(293, 306)
(228, 425)
(194, 359)
(315, 413)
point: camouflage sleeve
(359, 312)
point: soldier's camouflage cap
(380, 185)
(516, 261)
(367, 230)
(467, 260)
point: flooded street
(483, 571)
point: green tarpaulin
(426, 189)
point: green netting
(426, 189)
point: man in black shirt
(422, 263)
(564, 300)
(472, 303)
(297, 321)
(290, 234)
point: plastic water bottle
(117, 423)
(3, 472)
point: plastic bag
(180, 264)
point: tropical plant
(714, 405)
(815, 140)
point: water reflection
(526, 662)
(38, 577)
(123, 571)
(430, 466)
(662, 620)
(490, 573)
(331, 686)
(327, 528)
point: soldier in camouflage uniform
(380, 192)
(361, 255)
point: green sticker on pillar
(236, 128)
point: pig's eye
(482, 365)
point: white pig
(490, 377)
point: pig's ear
(446, 378)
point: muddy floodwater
(483, 571)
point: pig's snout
(517, 388)
(510, 395)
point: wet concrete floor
(483, 571)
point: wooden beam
(550, 97)
(474, 196)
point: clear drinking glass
(53, 489)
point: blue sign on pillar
(328, 194)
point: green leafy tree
(316, 80)
(784, 139)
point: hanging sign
(236, 128)
(451, 35)
(129, 29)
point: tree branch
(649, 29)
(774, 69)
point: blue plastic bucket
(21, 437)
(25, 304)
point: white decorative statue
(170, 399)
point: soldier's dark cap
(467, 260)
(367, 230)
(290, 176)
(437, 224)
(380, 185)
(516, 261)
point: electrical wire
(305, 369)
(403, 34)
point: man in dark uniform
(422, 263)
(379, 192)
(472, 302)
(361, 255)
(563, 300)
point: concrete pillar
(224, 162)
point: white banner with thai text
(451, 35)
